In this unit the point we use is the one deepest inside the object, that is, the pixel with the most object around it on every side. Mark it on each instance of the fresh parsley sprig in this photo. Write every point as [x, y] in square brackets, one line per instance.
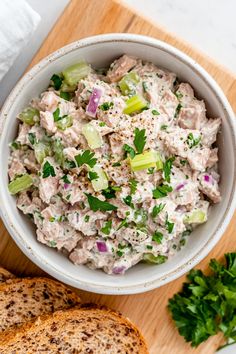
[139, 139]
[207, 303]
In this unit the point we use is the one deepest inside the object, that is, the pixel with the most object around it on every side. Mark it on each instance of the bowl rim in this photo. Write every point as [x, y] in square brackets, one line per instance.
[225, 218]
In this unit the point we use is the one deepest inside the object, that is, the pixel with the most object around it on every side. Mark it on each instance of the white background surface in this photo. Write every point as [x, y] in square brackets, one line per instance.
[209, 25]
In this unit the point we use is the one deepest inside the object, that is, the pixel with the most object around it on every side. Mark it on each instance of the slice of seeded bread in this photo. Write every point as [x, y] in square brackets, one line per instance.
[23, 299]
[74, 331]
[5, 275]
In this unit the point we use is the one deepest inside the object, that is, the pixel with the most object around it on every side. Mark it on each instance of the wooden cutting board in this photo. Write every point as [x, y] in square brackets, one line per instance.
[84, 18]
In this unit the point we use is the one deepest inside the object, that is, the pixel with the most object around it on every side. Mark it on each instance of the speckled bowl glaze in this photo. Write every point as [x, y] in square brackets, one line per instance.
[99, 51]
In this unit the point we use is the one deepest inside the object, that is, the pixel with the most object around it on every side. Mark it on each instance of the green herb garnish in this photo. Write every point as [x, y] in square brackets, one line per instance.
[191, 141]
[57, 81]
[106, 229]
[66, 179]
[65, 95]
[169, 225]
[177, 110]
[87, 158]
[207, 303]
[92, 175]
[164, 127]
[48, 170]
[32, 138]
[128, 201]
[155, 112]
[116, 164]
[167, 168]
[96, 204]
[123, 223]
[157, 209]
[161, 191]
[110, 192]
[129, 150]
[157, 237]
[139, 139]
[56, 115]
[106, 106]
[86, 218]
[133, 185]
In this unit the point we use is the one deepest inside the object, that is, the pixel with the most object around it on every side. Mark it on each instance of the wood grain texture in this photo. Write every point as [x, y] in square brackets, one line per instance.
[83, 18]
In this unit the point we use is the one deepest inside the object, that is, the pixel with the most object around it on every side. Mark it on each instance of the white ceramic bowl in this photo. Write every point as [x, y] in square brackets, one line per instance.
[100, 51]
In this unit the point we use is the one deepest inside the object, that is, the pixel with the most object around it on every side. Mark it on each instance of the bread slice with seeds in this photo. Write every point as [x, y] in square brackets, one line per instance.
[5, 275]
[83, 330]
[21, 300]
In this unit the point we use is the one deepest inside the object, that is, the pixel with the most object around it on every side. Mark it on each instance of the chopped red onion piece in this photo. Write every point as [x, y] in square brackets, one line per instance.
[208, 178]
[94, 101]
[119, 270]
[180, 186]
[66, 185]
[102, 247]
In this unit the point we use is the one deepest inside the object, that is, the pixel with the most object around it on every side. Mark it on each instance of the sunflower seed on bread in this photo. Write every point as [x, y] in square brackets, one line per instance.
[78, 330]
[5, 275]
[21, 300]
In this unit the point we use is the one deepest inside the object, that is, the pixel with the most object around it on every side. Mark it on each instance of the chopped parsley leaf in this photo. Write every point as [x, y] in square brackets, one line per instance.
[150, 170]
[87, 157]
[56, 115]
[157, 237]
[57, 81]
[110, 192]
[92, 175]
[155, 112]
[133, 185]
[164, 127]
[102, 124]
[119, 253]
[123, 223]
[167, 168]
[68, 196]
[161, 191]
[116, 164]
[191, 141]
[96, 204]
[157, 209]
[48, 170]
[69, 164]
[66, 179]
[179, 95]
[169, 225]
[32, 138]
[52, 244]
[106, 229]
[65, 95]
[183, 162]
[129, 150]
[86, 218]
[139, 139]
[177, 110]
[106, 106]
[128, 201]
[149, 247]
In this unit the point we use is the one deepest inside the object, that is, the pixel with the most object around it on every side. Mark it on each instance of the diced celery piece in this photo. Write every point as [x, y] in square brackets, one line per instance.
[150, 258]
[57, 149]
[64, 123]
[134, 103]
[92, 136]
[41, 150]
[159, 162]
[128, 83]
[100, 183]
[196, 217]
[67, 88]
[142, 161]
[20, 184]
[76, 72]
[29, 115]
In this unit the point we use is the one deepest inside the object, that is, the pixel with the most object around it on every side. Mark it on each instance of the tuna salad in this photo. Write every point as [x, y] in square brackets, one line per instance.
[115, 166]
